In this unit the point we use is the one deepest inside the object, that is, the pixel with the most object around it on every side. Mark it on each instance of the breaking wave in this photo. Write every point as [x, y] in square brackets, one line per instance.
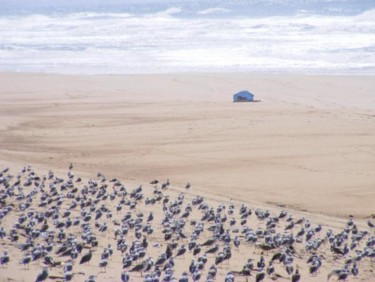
[91, 42]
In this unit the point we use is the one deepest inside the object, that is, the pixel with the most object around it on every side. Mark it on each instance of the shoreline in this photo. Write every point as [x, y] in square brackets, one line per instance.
[348, 73]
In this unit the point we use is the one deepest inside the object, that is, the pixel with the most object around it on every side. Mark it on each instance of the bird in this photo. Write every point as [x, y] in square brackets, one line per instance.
[246, 270]
[91, 278]
[48, 260]
[196, 275]
[68, 265]
[236, 242]
[43, 275]
[125, 276]
[197, 250]
[370, 224]
[86, 258]
[219, 258]
[209, 242]
[26, 259]
[265, 247]
[270, 269]
[103, 264]
[181, 251]
[229, 277]
[212, 271]
[169, 251]
[161, 259]
[261, 263]
[260, 276]
[355, 270]
[296, 276]
[184, 277]
[138, 268]
[4, 260]
[68, 276]
[155, 181]
[314, 268]
[213, 250]
[341, 274]
[127, 262]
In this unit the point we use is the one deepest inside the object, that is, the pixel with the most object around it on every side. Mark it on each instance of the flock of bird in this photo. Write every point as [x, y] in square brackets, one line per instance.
[101, 230]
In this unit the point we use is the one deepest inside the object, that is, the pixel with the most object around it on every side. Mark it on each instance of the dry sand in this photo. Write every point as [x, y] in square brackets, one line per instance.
[307, 147]
[309, 144]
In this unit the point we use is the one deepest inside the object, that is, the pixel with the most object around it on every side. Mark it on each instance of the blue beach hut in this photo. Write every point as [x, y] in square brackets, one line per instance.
[243, 96]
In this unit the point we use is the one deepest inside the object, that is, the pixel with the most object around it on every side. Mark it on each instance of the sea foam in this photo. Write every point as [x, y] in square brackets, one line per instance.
[122, 43]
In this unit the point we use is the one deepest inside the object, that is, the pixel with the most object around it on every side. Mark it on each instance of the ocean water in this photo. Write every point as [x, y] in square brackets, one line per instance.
[128, 37]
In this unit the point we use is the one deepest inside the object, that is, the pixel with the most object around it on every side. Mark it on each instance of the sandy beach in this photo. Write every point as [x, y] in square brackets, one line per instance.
[308, 144]
[306, 147]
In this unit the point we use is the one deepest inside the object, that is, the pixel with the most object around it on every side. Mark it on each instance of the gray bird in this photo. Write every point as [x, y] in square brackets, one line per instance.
[184, 277]
[213, 250]
[103, 264]
[229, 277]
[4, 260]
[260, 276]
[43, 275]
[68, 276]
[296, 276]
[125, 276]
[26, 259]
[91, 278]
[86, 258]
